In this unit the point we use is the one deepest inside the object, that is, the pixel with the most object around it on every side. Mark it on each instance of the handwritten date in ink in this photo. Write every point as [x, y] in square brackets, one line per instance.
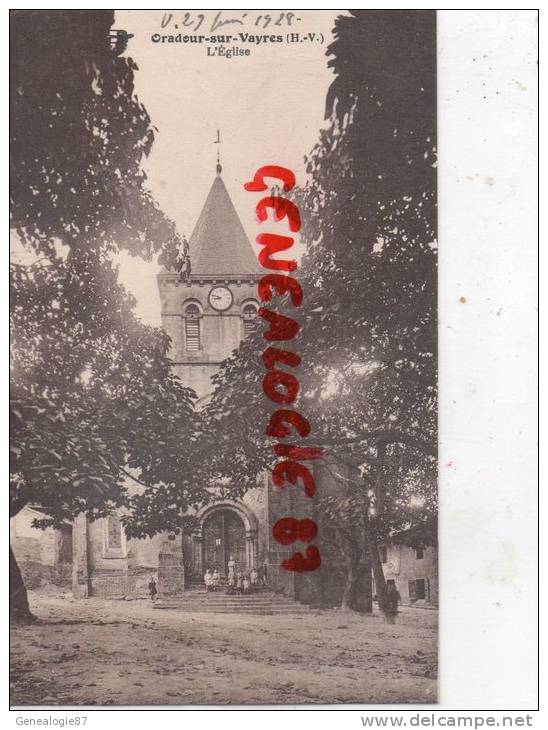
[197, 21]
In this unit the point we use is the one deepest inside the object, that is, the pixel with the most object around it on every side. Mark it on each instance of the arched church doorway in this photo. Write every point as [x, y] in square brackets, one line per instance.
[224, 535]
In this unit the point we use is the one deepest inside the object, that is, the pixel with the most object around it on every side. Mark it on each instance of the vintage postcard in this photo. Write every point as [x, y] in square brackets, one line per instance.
[224, 358]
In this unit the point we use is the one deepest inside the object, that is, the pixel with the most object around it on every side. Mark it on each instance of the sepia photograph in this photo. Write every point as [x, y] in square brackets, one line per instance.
[224, 358]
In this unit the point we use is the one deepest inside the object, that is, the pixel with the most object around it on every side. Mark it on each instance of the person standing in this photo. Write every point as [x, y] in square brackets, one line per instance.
[231, 567]
[240, 583]
[208, 580]
[391, 601]
[254, 577]
[152, 589]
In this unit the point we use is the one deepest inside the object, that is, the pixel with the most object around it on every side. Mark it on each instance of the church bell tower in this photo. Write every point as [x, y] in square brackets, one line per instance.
[208, 314]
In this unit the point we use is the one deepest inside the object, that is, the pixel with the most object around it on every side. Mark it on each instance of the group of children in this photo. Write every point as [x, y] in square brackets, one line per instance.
[212, 579]
[236, 581]
[242, 582]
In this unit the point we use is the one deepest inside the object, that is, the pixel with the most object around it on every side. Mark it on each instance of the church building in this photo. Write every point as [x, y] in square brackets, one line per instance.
[206, 313]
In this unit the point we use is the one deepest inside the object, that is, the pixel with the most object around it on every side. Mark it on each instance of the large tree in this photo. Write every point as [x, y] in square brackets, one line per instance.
[368, 340]
[370, 212]
[95, 406]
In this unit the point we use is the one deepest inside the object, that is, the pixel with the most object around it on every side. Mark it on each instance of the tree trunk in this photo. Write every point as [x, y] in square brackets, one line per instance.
[376, 564]
[348, 601]
[367, 606]
[366, 567]
[19, 602]
[357, 594]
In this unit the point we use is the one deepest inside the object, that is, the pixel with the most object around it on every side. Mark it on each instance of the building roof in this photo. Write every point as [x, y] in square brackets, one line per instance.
[421, 534]
[219, 245]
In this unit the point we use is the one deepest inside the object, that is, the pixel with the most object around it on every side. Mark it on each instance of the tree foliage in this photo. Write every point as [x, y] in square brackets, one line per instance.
[368, 339]
[78, 137]
[98, 418]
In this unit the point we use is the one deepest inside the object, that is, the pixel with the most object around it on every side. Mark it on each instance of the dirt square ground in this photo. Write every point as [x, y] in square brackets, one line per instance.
[98, 652]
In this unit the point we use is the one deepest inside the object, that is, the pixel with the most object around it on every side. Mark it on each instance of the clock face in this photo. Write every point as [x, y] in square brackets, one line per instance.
[220, 298]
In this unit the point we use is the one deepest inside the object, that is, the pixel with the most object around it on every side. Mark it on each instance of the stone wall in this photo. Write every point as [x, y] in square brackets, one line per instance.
[123, 572]
[279, 505]
[43, 556]
[220, 334]
[290, 501]
[131, 583]
[257, 501]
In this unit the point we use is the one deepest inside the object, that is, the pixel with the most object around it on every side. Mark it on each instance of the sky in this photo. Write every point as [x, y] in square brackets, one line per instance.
[269, 107]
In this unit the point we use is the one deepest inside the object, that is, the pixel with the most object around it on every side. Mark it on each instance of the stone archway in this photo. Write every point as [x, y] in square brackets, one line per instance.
[223, 536]
[226, 528]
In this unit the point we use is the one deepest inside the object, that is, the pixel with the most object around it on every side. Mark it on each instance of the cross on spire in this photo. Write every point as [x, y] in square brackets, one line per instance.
[218, 142]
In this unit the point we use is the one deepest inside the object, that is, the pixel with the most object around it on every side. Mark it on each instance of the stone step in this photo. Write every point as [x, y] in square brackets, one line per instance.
[254, 610]
[265, 604]
[194, 596]
[228, 601]
[224, 597]
[200, 588]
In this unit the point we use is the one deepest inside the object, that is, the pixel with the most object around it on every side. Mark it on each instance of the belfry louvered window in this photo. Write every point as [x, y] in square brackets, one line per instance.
[192, 328]
[249, 316]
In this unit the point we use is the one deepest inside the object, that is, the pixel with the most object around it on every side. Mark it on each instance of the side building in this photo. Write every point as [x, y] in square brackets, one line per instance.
[410, 562]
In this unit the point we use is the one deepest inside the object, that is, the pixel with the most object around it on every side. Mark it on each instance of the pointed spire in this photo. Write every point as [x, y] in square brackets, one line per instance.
[219, 245]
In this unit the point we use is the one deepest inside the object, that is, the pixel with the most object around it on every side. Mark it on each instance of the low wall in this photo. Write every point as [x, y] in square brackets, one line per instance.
[132, 583]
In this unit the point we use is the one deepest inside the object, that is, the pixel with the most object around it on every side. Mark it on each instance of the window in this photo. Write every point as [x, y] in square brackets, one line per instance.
[114, 539]
[383, 553]
[412, 590]
[114, 532]
[417, 590]
[249, 316]
[420, 553]
[192, 328]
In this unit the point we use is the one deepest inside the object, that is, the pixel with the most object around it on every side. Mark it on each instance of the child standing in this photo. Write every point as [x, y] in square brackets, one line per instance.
[207, 579]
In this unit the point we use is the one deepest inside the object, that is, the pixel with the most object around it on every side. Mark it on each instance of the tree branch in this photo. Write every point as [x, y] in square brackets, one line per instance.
[385, 437]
